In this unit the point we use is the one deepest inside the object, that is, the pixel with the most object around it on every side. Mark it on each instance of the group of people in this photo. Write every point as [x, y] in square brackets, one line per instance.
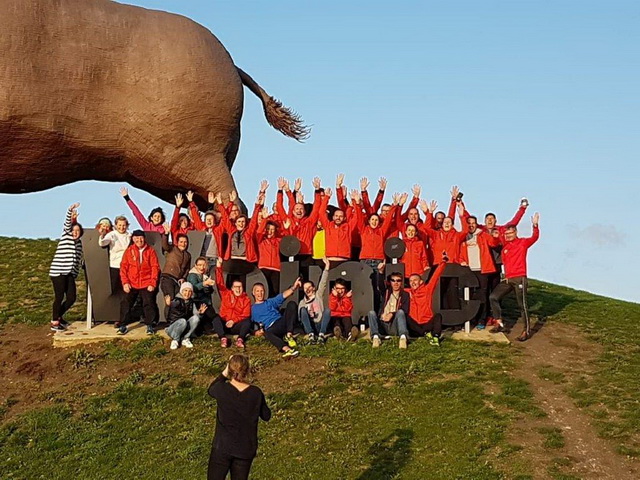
[328, 235]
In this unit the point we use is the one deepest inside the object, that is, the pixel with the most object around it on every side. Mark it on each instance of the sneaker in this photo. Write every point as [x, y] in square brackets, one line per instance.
[322, 339]
[524, 336]
[435, 341]
[311, 338]
[187, 343]
[174, 345]
[122, 330]
[290, 354]
[353, 334]
[57, 327]
[497, 329]
[403, 342]
[428, 336]
[337, 332]
[150, 330]
[224, 342]
[64, 323]
[376, 341]
[117, 325]
[239, 342]
[491, 322]
[480, 326]
[290, 341]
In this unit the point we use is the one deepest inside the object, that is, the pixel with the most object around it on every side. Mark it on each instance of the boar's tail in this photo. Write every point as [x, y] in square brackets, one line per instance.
[279, 117]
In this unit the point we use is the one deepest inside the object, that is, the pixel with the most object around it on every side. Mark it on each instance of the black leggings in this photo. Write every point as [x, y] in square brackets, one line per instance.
[240, 328]
[345, 324]
[282, 326]
[64, 290]
[220, 464]
[116, 283]
[433, 326]
[273, 280]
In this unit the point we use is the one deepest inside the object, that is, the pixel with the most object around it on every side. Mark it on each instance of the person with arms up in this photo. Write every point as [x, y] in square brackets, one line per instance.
[155, 220]
[240, 406]
[65, 267]
[514, 257]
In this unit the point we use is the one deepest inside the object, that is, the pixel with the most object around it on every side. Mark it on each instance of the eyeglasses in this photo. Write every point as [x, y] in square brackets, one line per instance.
[395, 280]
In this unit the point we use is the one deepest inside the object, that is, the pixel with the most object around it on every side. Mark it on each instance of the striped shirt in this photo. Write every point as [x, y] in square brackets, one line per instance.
[66, 260]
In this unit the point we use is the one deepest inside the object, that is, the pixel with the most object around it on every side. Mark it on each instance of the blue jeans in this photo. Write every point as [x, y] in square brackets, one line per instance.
[176, 329]
[397, 325]
[313, 327]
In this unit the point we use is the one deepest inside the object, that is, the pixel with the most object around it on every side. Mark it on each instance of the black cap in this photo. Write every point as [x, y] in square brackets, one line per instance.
[137, 233]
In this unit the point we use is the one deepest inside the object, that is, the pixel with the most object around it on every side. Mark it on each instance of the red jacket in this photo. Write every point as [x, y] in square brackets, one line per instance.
[140, 268]
[340, 306]
[175, 225]
[501, 228]
[366, 203]
[373, 239]
[451, 214]
[420, 308]
[514, 254]
[338, 237]
[232, 308]
[248, 234]
[268, 248]
[441, 241]
[485, 242]
[305, 228]
[216, 230]
[415, 257]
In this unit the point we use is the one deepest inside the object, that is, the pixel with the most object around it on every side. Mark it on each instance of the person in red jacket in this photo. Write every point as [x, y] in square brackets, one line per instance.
[421, 321]
[339, 231]
[268, 238]
[241, 244]
[180, 222]
[213, 230]
[235, 311]
[476, 254]
[514, 256]
[415, 256]
[341, 307]
[446, 240]
[373, 235]
[139, 272]
[370, 209]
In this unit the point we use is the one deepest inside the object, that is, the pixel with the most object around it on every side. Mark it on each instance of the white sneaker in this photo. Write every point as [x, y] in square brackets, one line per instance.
[174, 345]
[403, 342]
[187, 343]
[376, 341]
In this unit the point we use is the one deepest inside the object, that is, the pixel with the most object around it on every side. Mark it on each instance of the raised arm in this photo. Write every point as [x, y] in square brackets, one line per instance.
[142, 221]
[536, 231]
[195, 215]
[68, 219]
[322, 214]
[219, 278]
[518, 216]
[382, 183]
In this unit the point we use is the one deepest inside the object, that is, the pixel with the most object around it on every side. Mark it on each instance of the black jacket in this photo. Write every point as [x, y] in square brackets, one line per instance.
[385, 291]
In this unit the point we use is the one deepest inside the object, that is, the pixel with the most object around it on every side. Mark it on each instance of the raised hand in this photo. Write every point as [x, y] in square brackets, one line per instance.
[74, 206]
[211, 197]
[286, 186]
[354, 195]
[297, 185]
[339, 180]
[219, 198]
[454, 192]
[124, 191]
[202, 309]
[423, 206]
[281, 182]
[261, 198]
[287, 223]
[535, 219]
[328, 192]
[233, 196]
[316, 183]
[433, 206]
[381, 266]
[167, 228]
[189, 196]
[395, 198]
[179, 200]
[403, 199]
[299, 197]
[264, 185]
[382, 183]
[364, 184]
[416, 190]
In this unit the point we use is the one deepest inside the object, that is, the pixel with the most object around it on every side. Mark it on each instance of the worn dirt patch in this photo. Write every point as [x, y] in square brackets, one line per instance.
[565, 351]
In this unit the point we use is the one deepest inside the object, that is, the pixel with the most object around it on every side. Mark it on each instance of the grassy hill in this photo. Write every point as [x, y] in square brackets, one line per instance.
[343, 411]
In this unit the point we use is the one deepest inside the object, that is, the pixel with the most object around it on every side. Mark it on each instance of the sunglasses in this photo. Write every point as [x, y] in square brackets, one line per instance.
[395, 280]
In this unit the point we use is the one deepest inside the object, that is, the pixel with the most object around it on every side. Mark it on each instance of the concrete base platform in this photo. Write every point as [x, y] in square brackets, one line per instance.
[480, 336]
[77, 334]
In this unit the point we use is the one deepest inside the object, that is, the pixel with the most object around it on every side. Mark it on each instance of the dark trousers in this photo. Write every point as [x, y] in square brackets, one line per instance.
[148, 306]
[205, 326]
[273, 281]
[240, 328]
[493, 281]
[169, 286]
[433, 326]
[517, 285]
[64, 291]
[481, 293]
[345, 324]
[220, 464]
[451, 298]
[282, 326]
[116, 283]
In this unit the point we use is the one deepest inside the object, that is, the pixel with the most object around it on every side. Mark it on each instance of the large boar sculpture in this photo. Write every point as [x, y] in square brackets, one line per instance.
[93, 89]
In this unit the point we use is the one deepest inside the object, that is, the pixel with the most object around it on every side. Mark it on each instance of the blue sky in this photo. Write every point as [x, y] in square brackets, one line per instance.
[505, 99]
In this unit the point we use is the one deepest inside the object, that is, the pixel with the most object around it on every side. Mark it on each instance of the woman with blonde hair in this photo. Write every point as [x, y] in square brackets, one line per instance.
[240, 405]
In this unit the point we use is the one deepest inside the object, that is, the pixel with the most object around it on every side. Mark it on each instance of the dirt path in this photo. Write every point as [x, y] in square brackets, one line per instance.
[563, 351]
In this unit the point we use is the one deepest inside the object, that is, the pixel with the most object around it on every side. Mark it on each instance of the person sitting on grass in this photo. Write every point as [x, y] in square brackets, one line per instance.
[183, 317]
[421, 321]
[65, 267]
[235, 311]
[272, 324]
[239, 406]
[341, 307]
[394, 308]
[314, 317]
[202, 291]
[139, 271]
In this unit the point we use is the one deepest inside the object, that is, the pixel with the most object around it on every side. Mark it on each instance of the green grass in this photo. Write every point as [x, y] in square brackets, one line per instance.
[367, 414]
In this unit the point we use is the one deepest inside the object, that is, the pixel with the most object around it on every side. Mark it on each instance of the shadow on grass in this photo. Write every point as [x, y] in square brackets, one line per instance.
[389, 455]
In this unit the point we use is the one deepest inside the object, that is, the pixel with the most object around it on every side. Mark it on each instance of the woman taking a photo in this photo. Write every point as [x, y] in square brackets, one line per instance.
[240, 405]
